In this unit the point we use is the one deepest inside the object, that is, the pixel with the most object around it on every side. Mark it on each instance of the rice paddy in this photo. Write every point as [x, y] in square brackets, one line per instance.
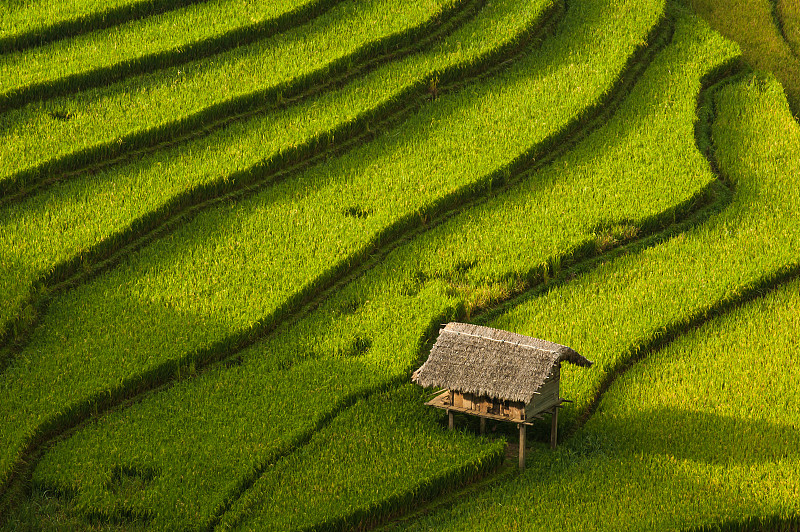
[224, 250]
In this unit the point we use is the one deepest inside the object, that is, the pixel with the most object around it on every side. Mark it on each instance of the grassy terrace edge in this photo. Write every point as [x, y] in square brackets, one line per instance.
[229, 518]
[790, 24]
[203, 48]
[703, 317]
[70, 27]
[174, 212]
[455, 478]
[341, 273]
[676, 220]
[761, 32]
[667, 217]
[214, 117]
[771, 522]
[759, 287]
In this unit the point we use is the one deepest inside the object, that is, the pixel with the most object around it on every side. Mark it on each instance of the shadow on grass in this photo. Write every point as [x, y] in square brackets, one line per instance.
[663, 468]
[686, 435]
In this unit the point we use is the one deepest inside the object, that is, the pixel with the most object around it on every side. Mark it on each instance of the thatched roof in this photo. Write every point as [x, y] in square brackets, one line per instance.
[499, 364]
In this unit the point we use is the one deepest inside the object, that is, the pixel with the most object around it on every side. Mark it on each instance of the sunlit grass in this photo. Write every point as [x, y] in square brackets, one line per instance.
[152, 106]
[133, 41]
[233, 266]
[648, 293]
[372, 461]
[47, 230]
[19, 18]
[315, 425]
[351, 344]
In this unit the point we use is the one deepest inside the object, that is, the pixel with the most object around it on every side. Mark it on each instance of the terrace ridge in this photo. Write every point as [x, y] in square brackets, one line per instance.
[178, 210]
[96, 20]
[207, 47]
[202, 123]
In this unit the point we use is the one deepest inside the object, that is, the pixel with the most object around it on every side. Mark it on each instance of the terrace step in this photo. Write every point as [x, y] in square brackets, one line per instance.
[58, 139]
[25, 27]
[167, 38]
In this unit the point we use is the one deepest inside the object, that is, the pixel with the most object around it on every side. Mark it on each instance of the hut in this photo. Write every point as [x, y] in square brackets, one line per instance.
[496, 374]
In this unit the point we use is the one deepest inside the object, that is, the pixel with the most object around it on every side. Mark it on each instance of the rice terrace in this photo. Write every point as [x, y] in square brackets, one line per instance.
[232, 231]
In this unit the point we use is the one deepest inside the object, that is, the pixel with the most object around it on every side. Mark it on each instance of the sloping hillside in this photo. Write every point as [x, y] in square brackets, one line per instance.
[230, 232]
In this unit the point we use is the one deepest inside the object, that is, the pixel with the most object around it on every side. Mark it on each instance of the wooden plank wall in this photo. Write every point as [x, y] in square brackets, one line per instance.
[515, 411]
[547, 397]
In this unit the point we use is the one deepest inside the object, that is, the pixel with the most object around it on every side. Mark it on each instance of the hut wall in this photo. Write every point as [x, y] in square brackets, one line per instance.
[463, 400]
[469, 401]
[547, 397]
[482, 404]
[515, 411]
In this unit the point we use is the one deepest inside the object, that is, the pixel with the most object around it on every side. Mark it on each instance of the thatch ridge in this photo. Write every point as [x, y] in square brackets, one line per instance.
[491, 362]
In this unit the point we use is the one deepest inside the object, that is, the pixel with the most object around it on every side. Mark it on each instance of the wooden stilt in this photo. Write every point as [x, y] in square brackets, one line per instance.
[483, 425]
[522, 445]
[554, 429]
[450, 421]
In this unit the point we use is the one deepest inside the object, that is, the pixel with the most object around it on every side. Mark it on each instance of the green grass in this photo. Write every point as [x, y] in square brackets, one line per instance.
[789, 17]
[24, 24]
[351, 344]
[50, 235]
[375, 459]
[720, 418]
[57, 234]
[163, 39]
[357, 460]
[751, 24]
[233, 270]
[644, 296]
[22, 17]
[148, 312]
[248, 367]
[62, 134]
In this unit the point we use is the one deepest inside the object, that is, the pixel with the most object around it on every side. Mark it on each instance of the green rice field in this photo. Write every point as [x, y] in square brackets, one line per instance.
[230, 231]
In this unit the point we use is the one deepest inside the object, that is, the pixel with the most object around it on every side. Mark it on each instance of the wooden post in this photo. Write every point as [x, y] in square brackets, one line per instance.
[554, 428]
[483, 425]
[450, 421]
[522, 445]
